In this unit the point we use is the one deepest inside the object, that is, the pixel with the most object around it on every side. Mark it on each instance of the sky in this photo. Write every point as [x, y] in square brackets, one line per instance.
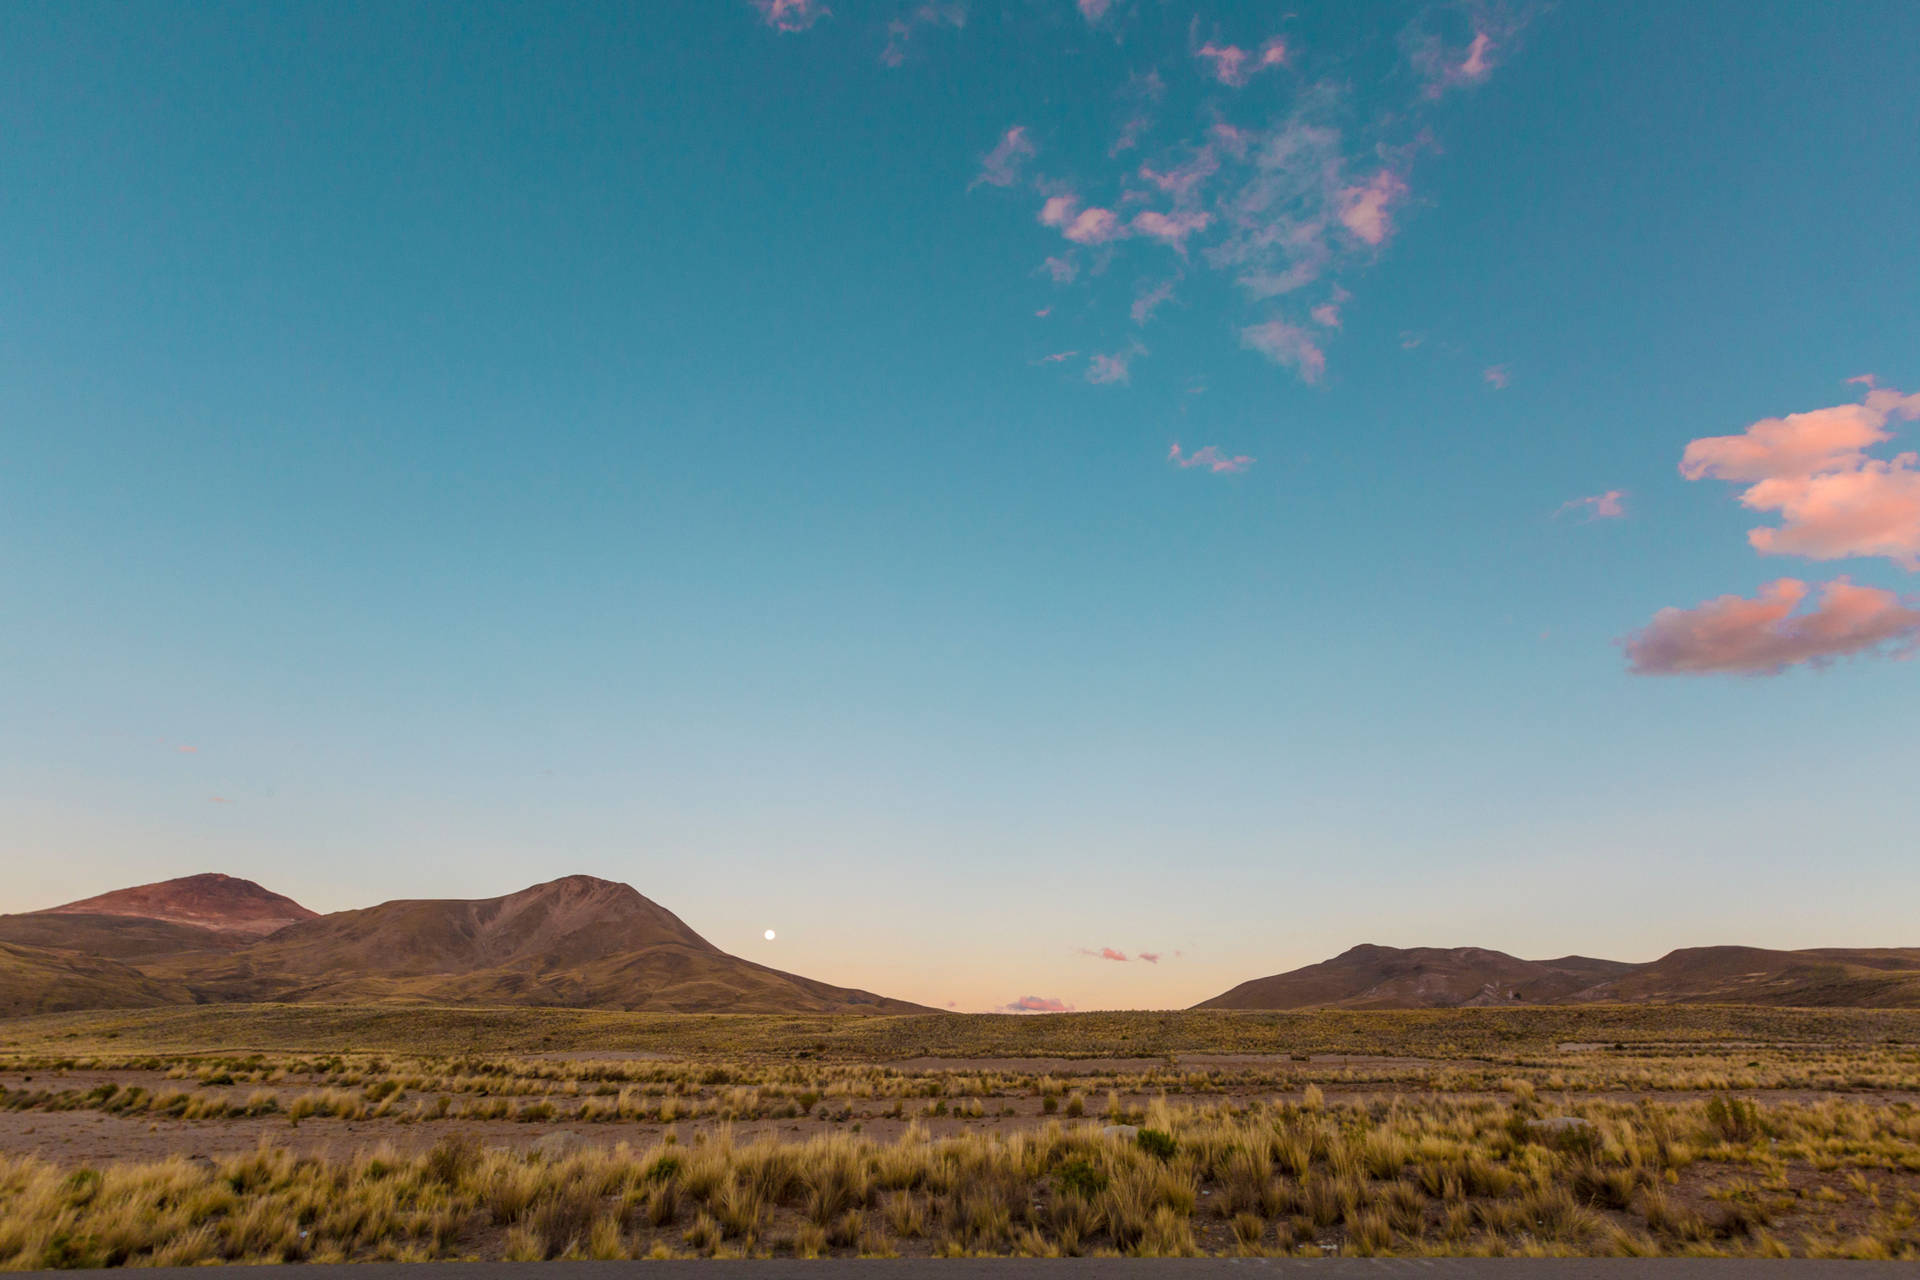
[1059, 503]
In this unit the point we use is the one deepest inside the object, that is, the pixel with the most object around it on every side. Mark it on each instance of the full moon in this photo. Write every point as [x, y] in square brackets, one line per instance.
[769, 935]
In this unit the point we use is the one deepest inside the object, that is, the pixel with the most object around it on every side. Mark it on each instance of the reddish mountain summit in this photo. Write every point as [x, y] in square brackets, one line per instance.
[222, 904]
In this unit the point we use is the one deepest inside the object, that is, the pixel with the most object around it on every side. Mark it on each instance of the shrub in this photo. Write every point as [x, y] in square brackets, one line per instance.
[1156, 1143]
[1081, 1178]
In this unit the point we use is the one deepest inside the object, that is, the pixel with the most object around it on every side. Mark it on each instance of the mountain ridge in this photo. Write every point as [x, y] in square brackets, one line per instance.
[1370, 976]
[577, 941]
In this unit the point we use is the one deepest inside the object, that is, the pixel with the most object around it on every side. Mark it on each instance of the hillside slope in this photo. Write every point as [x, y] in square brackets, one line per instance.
[1375, 977]
[1372, 977]
[33, 980]
[577, 941]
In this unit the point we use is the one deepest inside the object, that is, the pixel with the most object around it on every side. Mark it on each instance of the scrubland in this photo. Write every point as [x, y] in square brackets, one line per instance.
[332, 1134]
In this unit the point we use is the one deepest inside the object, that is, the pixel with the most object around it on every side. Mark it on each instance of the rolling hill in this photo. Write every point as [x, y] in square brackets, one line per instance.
[34, 980]
[576, 942]
[217, 903]
[1375, 977]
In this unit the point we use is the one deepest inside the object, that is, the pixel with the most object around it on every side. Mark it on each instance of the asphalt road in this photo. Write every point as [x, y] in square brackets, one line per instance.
[1090, 1268]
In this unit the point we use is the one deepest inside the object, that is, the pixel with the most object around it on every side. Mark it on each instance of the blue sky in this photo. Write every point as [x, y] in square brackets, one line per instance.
[504, 442]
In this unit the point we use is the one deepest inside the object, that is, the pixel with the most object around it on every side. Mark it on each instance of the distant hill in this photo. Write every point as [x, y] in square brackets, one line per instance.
[1374, 977]
[575, 942]
[221, 904]
[33, 980]
[127, 938]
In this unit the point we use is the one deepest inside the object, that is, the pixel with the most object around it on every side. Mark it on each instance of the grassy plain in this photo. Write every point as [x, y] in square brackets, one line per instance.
[251, 1133]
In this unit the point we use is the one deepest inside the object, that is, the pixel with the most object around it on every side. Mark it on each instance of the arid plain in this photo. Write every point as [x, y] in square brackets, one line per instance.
[241, 1103]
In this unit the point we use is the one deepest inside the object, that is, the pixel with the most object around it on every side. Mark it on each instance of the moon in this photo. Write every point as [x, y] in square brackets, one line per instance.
[769, 935]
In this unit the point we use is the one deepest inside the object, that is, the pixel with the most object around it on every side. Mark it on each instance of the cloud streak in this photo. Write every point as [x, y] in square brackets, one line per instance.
[1287, 344]
[1610, 505]
[1037, 1004]
[1764, 636]
[791, 15]
[1001, 166]
[1211, 459]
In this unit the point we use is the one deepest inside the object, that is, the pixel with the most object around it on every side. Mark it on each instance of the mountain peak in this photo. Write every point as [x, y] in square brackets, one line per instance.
[210, 900]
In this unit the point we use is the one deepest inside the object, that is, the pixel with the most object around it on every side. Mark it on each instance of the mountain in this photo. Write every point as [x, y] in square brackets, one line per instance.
[35, 980]
[220, 904]
[1374, 977]
[576, 942]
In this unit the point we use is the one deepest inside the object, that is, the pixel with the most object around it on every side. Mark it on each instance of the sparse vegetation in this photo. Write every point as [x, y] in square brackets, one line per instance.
[1740, 1132]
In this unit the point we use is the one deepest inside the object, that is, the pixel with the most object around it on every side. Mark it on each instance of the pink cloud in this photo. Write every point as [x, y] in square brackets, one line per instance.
[1043, 313]
[1234, 66]
[1094, 10]
[1057, 357]
[1498, 377]
[1834, 500]
[1183, 181]
[1061, 269]
[1212, 460]
[1151, 957]
[1037, 1004]
[1445, 68]
[1478, 64]
[1001, 166]
[930, 13]
[1104, 953]
[1610, 505]
[1172, 228]
[1143, 93]
[1113, 368]
[791, 15]
[1231, 138]
[185, 750]
[1764, 635]
[1327, 314]
[1287, 344]
[218, 800]
[1364, 209]
[1058, 211]
[1092, 225]
[1147, 303]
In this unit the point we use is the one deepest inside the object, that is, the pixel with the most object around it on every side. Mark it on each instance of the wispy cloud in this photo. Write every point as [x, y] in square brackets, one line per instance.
[1063, 270]
[1000, 167]
[1499, 377]
[1094, 10]
[1104, 953]
[1147, 303]
[1834, 500]
[1365, 208]
[1234, 66]
[929, 13]
[1141, 96]
[1463, 63]
[791, 15]
[1037, 1004]
[1057, 357]
[1287, 344]
[1114, 367]
[1765, 636]
[1151, 957]
[1327, 314]
[1092, 225]
[1210, 458]
[1610, 505]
